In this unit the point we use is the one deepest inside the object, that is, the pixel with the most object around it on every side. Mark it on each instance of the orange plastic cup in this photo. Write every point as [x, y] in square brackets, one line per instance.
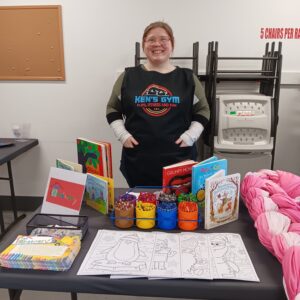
[187, 220]
[124, 218]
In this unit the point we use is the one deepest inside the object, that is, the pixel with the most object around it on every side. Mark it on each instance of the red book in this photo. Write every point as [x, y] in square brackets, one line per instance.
[108, 158]
[177, 178]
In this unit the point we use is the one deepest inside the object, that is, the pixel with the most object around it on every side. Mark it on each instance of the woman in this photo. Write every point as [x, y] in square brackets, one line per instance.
[156, 110]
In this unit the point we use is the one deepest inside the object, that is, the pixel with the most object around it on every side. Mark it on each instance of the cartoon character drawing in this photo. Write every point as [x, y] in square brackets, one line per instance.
[161, 254]
[221, 252]
[124, 255]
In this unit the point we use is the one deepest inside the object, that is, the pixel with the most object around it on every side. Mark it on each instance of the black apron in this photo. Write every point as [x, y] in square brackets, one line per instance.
[157, 109]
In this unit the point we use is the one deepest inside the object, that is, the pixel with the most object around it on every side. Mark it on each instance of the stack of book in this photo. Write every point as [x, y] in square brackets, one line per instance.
[41, 253]
[94, 160]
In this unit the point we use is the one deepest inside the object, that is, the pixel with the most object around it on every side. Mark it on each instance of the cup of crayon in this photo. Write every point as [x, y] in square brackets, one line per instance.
[145, 215]
[124, 211]
[166, 215]
[187, 215]
[128, 197]
[164, 197]
[147, 197]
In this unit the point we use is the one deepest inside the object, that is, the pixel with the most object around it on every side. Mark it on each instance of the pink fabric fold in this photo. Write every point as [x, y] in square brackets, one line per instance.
[282, 242]
[287, 206]
[261, 204]
[269, 174]
[290, 183]
[269, 224]
[250, 180]
[273, 188]
[291, 272]
[295, 227]
[252, 193]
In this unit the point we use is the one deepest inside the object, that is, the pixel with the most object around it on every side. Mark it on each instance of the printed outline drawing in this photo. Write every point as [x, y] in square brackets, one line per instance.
[161, 254]
[221, 252]
[121, 257]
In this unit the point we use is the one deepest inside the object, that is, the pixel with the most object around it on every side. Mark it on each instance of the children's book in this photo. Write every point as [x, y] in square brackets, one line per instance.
[221, 200]
[111, 192]
[177, 178]
[96, 193]
[92, 156]
[203, 170]
[108, 158]
[68, 165]
[64, 192]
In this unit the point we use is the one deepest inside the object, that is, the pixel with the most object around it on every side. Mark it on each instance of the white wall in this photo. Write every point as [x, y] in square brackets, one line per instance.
[99, 39]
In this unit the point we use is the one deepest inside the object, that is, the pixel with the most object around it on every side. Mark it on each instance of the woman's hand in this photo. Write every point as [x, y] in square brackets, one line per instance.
[131, 142]
[181, 143]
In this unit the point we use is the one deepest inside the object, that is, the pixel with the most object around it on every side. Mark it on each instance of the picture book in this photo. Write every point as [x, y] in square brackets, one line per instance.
[68, 165]
[41, 253]
[64, 192]
[111, 192]
[177, 178]
[203, 170]
[108, 158]
[221, 200]
[92, 156]
[96, 193]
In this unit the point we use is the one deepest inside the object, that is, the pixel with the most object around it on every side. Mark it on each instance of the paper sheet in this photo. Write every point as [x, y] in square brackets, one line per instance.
[127, 254]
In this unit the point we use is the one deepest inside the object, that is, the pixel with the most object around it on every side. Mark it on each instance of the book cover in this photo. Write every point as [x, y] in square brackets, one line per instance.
[178, 177]
[108, 158]
[221, 200]
[203, 170]
[64, 192]
[92, 157]
[111, 192]
[68, 165]
[96, 193]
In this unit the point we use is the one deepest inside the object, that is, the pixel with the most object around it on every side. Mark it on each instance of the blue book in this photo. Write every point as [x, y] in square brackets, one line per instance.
[204, 170]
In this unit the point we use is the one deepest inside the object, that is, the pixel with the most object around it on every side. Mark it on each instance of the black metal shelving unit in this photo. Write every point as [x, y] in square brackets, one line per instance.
[194, 57]
[268, 77]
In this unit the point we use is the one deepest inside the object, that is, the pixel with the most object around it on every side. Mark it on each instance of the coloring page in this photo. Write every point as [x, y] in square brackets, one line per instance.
[119, 252]
[195, 256]
[166, 256]
[230, 259]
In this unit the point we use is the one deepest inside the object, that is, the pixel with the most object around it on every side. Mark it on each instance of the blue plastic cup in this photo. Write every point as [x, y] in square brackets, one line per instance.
[166, 218]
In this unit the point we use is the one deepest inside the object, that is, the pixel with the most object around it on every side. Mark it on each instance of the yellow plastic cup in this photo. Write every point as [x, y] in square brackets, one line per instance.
[143, 212]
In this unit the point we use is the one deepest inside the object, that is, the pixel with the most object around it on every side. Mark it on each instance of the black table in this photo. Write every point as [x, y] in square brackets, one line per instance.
[7, 154]
[267, 267]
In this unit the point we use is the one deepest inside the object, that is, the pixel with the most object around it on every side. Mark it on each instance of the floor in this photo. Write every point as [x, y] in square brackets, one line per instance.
[35, 295]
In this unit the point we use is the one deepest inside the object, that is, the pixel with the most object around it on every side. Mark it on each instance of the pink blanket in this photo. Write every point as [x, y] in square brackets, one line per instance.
[273, 202]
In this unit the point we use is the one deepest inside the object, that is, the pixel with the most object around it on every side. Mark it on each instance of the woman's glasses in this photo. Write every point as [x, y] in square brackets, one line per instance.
[161, 40]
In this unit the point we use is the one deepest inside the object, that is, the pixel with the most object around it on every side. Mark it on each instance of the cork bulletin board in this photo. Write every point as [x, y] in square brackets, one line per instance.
[31, 43]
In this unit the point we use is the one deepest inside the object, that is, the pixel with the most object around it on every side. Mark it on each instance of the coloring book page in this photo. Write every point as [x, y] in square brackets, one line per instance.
[230, 257]
[195, 256]
[166, 256]
[127, 254]
[119, 252]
